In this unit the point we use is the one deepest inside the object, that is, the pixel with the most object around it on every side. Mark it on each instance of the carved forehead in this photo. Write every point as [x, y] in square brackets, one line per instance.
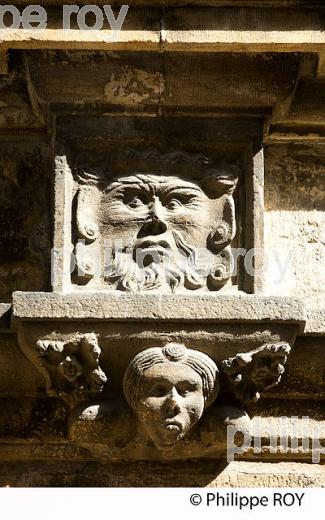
[174, 170]
[172, 372]
[152, 182]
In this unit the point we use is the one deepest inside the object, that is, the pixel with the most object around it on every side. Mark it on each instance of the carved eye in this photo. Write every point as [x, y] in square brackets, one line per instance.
[158, 391]
[135, 203]
[185, 389]
[173, 204]
[184, 393]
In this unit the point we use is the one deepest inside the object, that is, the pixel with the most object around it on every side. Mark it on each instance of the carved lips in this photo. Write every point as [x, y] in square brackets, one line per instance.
[152, 249]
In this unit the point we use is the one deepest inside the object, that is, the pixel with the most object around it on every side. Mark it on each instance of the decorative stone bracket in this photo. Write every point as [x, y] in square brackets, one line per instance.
[184, 380]
[71, 368]
[168, 390]
[253, 372]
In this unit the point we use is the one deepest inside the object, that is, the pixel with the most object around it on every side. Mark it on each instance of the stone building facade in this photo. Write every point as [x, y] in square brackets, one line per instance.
[162, 272]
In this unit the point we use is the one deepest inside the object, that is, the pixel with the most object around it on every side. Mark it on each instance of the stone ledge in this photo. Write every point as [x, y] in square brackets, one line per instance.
[179, 3]
[31, 450]
[208, 29]
[203, 473]
[173, 307]
[97, 429]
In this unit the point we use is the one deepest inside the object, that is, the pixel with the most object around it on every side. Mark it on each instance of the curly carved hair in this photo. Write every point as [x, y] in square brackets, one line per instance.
[216, 178]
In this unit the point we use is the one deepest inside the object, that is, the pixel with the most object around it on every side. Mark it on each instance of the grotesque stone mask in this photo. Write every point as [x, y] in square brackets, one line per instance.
[169, 389]
[168, 231]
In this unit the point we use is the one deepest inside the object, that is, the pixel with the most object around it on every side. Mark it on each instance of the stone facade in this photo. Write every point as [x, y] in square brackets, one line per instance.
[162, 272]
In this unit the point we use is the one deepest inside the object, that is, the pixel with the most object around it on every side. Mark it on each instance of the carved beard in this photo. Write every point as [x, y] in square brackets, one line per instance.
[176, 269]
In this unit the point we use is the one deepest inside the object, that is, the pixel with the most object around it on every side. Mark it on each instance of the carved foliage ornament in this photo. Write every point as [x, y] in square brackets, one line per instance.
[72, 366]
[165, 225]
[253, 372]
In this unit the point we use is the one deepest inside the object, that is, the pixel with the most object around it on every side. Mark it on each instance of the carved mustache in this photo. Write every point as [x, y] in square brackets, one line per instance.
[151, 243]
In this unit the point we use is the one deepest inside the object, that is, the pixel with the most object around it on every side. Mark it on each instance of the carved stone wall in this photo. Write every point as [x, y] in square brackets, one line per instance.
[163, 240]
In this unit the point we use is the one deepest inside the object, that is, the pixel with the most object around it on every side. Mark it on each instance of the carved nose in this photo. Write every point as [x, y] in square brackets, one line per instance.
[155, 223]
[172, 405]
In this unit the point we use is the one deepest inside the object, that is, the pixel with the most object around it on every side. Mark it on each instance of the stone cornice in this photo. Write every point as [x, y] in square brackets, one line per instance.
[112, 306]
[215, 29]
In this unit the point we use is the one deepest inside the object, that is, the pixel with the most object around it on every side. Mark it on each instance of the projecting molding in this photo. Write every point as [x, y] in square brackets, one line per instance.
[183, 29]
[115, 306]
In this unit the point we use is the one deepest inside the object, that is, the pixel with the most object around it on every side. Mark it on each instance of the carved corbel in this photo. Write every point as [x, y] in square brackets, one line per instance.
[174, 411]
[171, 393]
[251, 373]
[72, 367]
[169, 389]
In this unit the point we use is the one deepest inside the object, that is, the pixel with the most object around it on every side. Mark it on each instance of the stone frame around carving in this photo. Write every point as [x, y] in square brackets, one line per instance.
[249, 218]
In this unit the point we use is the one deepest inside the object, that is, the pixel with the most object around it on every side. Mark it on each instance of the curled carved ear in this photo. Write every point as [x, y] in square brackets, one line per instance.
[250, 373]
[221, 271]
[224, 229]
[221, 180]
[87, 202]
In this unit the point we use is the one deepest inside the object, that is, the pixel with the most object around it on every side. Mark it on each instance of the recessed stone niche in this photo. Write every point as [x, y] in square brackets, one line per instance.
[157, 214]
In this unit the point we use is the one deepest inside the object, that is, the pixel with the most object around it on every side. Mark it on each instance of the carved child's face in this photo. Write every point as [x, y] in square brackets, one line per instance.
[170, 402]
[147, 210]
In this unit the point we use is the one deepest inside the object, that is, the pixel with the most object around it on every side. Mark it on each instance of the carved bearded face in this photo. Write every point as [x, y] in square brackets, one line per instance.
[167, 226]
[162, 224]
[148, 209]
[170, 402]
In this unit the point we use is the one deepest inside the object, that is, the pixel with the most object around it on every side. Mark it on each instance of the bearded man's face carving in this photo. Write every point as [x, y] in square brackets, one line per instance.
[168, 231]
[150, 208]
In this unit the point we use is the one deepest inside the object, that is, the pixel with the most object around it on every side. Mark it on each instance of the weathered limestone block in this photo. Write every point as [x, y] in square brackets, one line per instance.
[136, 83]
[295, 226]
